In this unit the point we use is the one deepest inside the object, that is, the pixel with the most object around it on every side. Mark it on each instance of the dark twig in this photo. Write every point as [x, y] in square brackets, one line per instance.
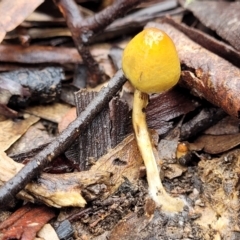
[84, 29]
[61, 143]
[101, 20]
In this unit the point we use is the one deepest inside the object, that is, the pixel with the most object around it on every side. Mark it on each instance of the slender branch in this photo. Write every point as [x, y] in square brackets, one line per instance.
[61, 143]
[102, 19]
[83, 30]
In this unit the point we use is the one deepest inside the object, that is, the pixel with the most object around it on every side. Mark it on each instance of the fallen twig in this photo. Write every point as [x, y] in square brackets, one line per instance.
[61, 143]
[83, 30]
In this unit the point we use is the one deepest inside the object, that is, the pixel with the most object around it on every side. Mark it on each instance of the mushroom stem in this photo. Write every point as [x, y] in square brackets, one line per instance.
[156, 189]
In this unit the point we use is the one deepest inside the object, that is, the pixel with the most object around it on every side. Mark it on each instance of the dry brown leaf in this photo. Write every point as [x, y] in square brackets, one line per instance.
[100, 53]
[214, 144]
[37, 135]
[14, 12]
[11, 131]
[52, 112]
[67, 119]
[8, 167]
[227, 125]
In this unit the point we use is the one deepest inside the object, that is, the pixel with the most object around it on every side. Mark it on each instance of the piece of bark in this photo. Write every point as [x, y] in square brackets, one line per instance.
[105, 132]
[70, 189]
[227, 14]
[166, 106]
[95, 140]
[204, 73]
[212, 44]
[25, 222]
[43, 84]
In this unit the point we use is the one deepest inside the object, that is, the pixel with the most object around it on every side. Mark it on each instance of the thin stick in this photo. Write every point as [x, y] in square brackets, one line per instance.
[61, 143]
[83, 30]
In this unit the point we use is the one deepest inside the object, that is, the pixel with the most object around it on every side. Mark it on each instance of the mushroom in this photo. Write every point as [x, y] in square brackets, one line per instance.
[150, 62]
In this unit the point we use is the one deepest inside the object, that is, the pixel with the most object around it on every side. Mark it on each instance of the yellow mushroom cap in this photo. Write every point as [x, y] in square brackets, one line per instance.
[150, 61]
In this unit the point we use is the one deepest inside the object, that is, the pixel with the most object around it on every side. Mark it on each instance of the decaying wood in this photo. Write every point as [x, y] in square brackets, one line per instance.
[206, 74]
[41, 85]
[107, 129]
[70, 189]
[60, 144]
[75, 189]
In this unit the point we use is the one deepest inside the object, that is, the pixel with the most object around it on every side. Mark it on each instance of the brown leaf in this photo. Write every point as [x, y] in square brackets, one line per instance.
[37, 135]
[13, 13]
[52, 112]
[227, 125]
[67, 119]
[8, 167]
[216, 144]
[25, 222]
[11, 131]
